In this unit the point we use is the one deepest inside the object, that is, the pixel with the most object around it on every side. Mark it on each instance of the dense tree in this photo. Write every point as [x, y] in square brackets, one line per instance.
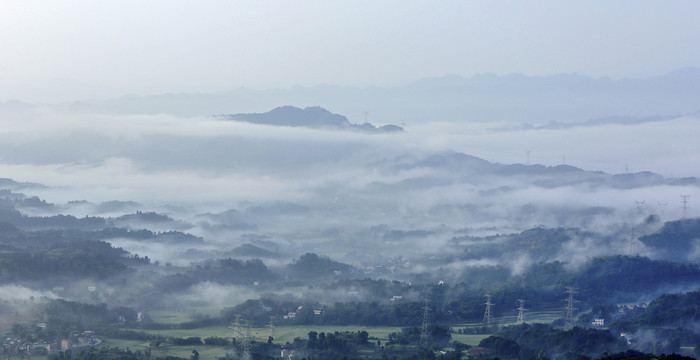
[543, 339]
[501, 347]
[311, 265]
[668, 309]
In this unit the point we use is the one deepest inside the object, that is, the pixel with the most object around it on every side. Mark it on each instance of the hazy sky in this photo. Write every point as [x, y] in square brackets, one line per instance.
[66, 50]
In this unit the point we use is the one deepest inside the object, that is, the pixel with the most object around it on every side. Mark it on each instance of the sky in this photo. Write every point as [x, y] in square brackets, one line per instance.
[57, 51]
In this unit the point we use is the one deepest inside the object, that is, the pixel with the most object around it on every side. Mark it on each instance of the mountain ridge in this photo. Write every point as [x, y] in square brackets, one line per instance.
[310, 117]
[563, 97]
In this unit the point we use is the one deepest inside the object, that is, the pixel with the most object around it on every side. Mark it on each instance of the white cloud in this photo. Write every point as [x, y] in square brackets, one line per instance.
[17, 292]
[204, 164]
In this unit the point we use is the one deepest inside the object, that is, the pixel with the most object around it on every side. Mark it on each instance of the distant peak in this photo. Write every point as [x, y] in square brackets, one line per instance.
[310, 117]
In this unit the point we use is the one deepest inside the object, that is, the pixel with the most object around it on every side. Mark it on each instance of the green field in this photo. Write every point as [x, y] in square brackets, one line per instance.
[205, 352]
[472, 340]
[177, 317]
[282, 334]
[203, 332]
[531, 318]
[534, 317]
[286, 333]
[170, 317]
[543, 316]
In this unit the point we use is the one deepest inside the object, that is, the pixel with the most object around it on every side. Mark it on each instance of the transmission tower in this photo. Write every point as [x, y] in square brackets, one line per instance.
[570, 309]
[685, 205]
[270, 327]
[661, 206]
[237, 328]
[521, 313]
[426, 336]
[246, 344]
[487, 312]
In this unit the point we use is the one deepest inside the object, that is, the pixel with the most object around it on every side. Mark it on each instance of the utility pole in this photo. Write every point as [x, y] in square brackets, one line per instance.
[521, 313]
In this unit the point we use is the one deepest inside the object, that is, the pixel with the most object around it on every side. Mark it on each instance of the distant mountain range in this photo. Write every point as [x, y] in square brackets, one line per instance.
[311, 117]
[565, 98]
[470, 168]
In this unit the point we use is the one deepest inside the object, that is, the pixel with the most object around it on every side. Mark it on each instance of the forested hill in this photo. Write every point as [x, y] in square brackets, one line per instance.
[675, 240]
[616, 278]
[311, 117]
[668, 310]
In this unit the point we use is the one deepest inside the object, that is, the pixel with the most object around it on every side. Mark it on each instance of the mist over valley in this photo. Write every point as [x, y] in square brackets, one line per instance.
[298, 206]
[349, 180]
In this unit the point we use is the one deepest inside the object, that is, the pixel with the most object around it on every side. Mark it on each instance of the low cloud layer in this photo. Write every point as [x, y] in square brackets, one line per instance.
[16, 292]
[320, 189]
